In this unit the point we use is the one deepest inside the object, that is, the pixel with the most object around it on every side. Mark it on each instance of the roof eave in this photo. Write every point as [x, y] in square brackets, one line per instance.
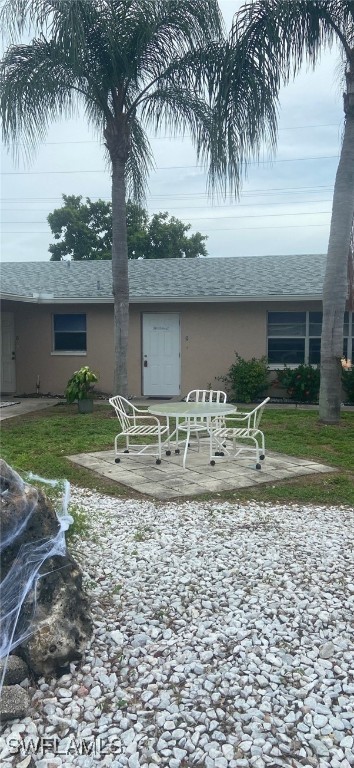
[162, 299]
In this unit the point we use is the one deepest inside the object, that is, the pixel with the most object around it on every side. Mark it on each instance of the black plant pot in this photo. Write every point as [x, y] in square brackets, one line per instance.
[85, 406]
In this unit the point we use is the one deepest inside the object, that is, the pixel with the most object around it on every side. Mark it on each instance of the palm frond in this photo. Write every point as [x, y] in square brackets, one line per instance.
[294, 32]
[36, 87]
[140, 163]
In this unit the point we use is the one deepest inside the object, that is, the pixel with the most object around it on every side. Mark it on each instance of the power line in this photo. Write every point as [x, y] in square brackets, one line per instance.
[207, 218]
[169, 167]
[219, 229]
[177, 208]
[246, 193]
[183, 136]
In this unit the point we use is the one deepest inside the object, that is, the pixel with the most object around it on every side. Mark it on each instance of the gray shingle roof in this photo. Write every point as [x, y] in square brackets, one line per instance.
[169, 279]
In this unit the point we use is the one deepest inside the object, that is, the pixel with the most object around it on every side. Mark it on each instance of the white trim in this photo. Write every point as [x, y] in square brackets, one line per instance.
[167, 299]
[291, 366]
[62, 354]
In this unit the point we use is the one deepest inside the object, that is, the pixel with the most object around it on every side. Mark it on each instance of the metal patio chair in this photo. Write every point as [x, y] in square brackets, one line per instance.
[241, 429]
[199, 424]
[136, 422]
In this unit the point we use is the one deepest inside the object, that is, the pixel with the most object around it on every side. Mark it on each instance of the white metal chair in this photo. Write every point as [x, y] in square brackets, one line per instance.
[206, 396]
[136, 422]
[199, 424]
[242, 428]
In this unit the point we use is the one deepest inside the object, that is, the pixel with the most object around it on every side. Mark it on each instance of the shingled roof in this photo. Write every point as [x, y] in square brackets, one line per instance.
[158, 280]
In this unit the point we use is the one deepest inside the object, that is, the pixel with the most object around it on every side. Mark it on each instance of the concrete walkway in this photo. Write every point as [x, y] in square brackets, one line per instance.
[169, 480]
[15, 406]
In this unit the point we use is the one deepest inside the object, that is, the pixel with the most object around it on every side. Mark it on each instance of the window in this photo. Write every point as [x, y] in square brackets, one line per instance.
[69, 333]
[315, 330]
[286, 337]
[295, 337]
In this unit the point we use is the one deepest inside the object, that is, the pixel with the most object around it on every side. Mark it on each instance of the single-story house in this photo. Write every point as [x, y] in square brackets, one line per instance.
[188, 317]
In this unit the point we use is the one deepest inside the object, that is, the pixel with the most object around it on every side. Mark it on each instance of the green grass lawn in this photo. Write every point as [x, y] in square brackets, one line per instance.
[40, 441]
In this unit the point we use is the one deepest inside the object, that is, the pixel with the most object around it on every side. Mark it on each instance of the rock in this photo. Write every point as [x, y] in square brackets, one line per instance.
[117, 637]
[55, 606]
[28, 762]
[16, 670]
[319, 747]
[14, 702]
[326, 650]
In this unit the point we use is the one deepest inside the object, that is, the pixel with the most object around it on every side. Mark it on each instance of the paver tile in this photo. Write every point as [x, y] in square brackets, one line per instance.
[169, 480]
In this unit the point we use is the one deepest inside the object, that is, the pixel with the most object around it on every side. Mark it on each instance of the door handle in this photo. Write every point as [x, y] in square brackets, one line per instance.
[145, 363]
[13, 356]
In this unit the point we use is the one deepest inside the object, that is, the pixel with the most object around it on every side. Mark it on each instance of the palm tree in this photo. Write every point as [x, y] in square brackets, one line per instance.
[288, 32]
[135, 65]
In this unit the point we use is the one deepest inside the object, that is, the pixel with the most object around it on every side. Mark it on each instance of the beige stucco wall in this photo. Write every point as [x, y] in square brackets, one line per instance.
[210, 336]
[34, 347]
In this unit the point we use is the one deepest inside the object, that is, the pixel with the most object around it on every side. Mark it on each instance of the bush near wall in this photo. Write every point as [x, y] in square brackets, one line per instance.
[348, 384]
[247, 379]
[302, 383]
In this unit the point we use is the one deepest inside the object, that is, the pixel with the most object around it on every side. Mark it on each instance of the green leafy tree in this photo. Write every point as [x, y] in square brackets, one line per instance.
[287, 33]
[134, 66]
[85, 233]
[167, 238]
[85, 229]
[137, 224]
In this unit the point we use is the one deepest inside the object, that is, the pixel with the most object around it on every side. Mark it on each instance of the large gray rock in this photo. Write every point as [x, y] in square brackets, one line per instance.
[54, 622]
[15, 670]
[14, 702]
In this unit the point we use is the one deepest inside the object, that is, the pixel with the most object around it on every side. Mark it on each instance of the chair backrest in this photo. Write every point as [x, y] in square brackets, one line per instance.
[257, 413]
[206, 396]
[125, 410]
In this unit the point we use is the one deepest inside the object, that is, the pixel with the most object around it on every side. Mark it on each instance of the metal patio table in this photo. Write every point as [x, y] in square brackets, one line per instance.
[188, 412]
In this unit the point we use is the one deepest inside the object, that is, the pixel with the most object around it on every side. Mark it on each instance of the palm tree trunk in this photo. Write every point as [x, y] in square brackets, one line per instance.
[120, 278]
[336, 281]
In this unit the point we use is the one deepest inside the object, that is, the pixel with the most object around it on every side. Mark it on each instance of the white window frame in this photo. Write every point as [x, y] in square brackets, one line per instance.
[69, 352]
[307, 337]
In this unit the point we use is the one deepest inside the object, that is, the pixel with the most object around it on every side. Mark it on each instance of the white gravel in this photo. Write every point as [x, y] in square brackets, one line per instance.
[223, 638]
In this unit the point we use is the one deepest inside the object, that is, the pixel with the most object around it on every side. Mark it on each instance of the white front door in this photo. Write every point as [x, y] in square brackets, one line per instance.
[8, 364]
[161, 354]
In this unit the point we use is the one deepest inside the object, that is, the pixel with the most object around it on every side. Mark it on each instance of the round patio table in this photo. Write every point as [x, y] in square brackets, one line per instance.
[188, 412]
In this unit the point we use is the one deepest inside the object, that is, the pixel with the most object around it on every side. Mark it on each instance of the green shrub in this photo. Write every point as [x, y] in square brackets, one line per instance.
[302, 383]
[247, 379]
[80, 385]
[348, 384]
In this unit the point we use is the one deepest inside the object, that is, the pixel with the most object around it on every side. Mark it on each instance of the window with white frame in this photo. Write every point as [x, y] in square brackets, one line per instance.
[69, 333]
[295, 337]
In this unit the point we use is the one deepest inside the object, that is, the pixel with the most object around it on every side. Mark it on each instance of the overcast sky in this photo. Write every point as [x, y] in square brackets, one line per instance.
[284, 207]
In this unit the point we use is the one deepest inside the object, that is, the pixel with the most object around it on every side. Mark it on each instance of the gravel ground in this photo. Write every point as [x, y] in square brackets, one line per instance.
[223, 638]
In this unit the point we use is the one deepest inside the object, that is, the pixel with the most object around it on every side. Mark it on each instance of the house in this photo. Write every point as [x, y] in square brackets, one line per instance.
[187, 319]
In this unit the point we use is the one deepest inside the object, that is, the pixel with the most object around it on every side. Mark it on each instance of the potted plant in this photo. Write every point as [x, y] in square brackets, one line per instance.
[80, 388]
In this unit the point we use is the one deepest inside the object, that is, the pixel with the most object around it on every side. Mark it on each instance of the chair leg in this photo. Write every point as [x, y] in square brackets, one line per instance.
[177, 436]
[186, 447]
[258, 464]
[159, 448]
[262, 456]
[198, 441]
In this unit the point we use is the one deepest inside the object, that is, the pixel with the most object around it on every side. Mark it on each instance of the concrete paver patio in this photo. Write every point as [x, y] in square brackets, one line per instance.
[169, 480]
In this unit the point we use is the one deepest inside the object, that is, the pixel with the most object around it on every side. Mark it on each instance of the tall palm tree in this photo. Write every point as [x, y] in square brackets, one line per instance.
[134, 65]
[289, 32]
